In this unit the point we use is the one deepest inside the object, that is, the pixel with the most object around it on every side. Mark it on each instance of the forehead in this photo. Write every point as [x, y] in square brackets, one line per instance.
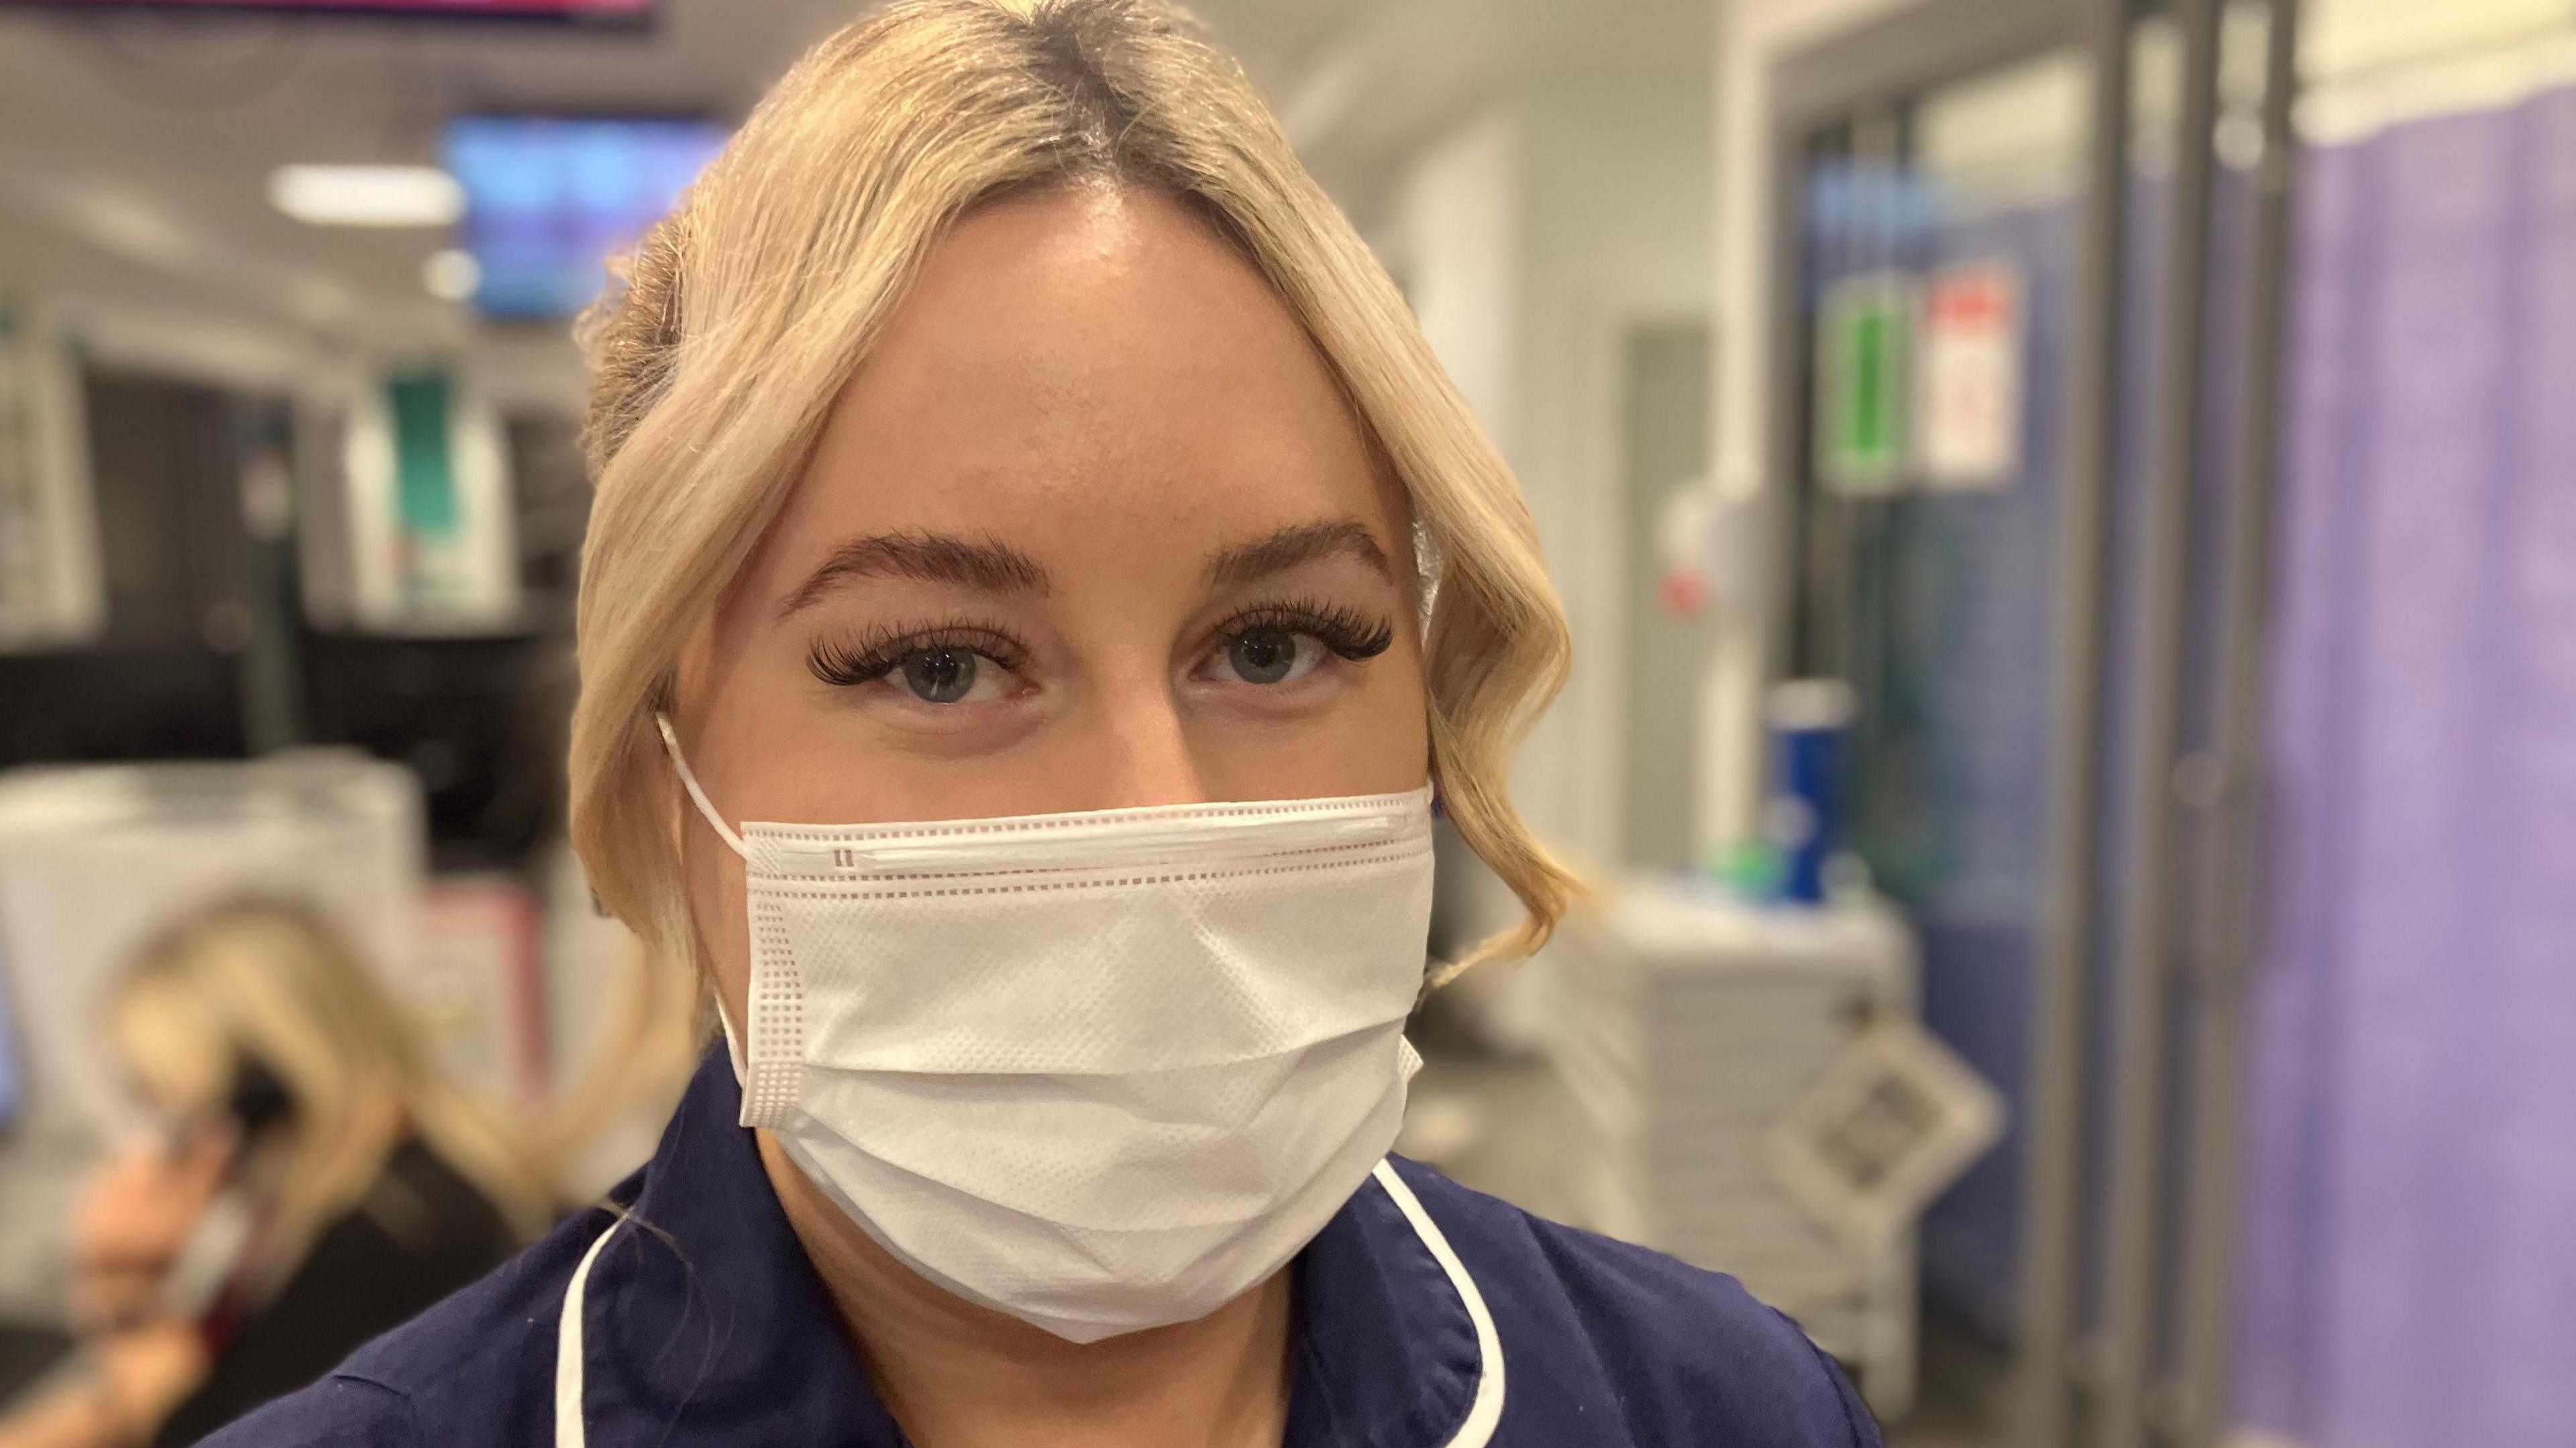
[1094, 358]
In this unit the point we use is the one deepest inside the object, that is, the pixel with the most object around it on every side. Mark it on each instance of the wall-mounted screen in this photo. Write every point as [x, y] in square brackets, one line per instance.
[548, 199]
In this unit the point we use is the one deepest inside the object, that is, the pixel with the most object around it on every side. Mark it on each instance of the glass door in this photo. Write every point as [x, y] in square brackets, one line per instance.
[1942, 237]
[1942, 242]
[2008, 356]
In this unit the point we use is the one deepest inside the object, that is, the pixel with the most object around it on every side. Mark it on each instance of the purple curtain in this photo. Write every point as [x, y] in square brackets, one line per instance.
[2410, 1253]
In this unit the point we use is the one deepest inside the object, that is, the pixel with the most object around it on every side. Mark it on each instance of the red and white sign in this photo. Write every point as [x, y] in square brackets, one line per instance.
[1970, 369]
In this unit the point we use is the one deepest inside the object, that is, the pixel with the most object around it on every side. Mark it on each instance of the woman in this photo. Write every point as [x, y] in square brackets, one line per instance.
[1007, 436]
[314, 1183]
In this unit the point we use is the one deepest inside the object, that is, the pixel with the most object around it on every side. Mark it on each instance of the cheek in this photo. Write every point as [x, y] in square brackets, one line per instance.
[1381, 742]
[1375, 741]
[1400, 723]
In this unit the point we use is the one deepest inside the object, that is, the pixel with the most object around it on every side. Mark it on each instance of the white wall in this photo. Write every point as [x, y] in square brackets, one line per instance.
[1619, 217]
[1455, 245]
[1529, 239]
[1753, 36]
[51, 592]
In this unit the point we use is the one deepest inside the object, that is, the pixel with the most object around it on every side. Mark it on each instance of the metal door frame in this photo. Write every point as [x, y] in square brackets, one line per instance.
[1880, 67]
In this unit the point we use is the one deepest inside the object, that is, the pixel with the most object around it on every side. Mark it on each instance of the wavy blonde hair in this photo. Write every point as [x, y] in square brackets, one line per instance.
[741, 315]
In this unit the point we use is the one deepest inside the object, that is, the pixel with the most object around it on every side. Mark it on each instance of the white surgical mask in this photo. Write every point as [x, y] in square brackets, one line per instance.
[1101, 1071]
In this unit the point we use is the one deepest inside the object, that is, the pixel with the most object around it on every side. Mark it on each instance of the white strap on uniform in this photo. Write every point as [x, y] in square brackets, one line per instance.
[569, 1432]
[1484, 1415]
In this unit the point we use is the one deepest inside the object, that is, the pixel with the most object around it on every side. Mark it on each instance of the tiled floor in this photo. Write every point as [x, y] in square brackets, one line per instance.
[1962, 1403]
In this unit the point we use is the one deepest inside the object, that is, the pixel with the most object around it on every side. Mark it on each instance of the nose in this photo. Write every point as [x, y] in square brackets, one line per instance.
[1131, 750]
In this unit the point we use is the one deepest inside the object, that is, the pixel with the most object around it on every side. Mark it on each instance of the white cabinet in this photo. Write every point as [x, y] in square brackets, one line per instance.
[1690, 1024]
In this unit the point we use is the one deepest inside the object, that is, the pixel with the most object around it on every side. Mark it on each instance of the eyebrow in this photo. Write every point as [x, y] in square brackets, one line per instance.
[1299, 544]
[982, 563]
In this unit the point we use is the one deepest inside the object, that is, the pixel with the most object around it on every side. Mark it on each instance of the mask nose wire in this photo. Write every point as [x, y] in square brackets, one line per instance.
[671, 745]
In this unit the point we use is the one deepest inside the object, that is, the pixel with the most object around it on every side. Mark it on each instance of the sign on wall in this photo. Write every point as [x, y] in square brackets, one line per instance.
[1864, 367]
[1969, 407]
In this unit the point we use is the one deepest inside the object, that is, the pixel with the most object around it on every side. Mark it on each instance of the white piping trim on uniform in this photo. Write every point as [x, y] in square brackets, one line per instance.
[1485, 1414]
[569, 1432]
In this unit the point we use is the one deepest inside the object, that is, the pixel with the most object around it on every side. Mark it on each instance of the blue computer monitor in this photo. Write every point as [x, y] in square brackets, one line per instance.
[548, 199]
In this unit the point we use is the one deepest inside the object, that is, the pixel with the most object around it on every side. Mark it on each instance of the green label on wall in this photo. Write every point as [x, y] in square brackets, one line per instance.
[1864, 380]
[424, 474]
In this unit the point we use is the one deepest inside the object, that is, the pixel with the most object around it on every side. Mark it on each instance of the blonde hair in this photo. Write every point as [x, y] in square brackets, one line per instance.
[268, 981]
[744, 312]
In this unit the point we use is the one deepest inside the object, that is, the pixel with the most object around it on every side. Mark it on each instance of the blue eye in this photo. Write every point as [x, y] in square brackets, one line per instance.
[940, 676]
[1272, 654]
[1280, 643]
[957, 666]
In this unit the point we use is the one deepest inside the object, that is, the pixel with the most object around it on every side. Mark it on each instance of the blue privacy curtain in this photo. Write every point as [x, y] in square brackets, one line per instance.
[2410, 1243]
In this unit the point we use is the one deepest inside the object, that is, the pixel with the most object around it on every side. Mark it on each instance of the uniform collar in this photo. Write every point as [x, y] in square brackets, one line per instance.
[704, 1322]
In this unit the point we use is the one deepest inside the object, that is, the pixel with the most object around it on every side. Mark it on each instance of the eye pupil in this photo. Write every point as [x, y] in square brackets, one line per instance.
[940, 676]
[1263, 655]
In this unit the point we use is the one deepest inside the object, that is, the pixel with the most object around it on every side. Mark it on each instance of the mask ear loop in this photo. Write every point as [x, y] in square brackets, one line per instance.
[689, 781]
[671, 745]
[732, 1040]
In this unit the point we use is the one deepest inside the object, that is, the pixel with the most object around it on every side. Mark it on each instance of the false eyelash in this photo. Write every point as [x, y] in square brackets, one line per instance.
[1346, 631]
[877, 653]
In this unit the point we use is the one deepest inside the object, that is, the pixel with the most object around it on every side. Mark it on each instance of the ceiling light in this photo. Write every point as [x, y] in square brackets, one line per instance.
[367, 195]
[452, 275]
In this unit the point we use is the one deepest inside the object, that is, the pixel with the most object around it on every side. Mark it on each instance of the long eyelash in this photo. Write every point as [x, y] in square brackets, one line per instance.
[874, 654]
[1346, 631]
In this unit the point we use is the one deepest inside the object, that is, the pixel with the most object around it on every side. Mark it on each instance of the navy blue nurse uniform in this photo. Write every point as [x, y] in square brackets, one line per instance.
[1428, 1317]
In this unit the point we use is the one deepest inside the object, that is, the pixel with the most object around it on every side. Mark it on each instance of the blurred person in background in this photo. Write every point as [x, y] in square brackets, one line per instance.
[1008, 437]
[312, 1183]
